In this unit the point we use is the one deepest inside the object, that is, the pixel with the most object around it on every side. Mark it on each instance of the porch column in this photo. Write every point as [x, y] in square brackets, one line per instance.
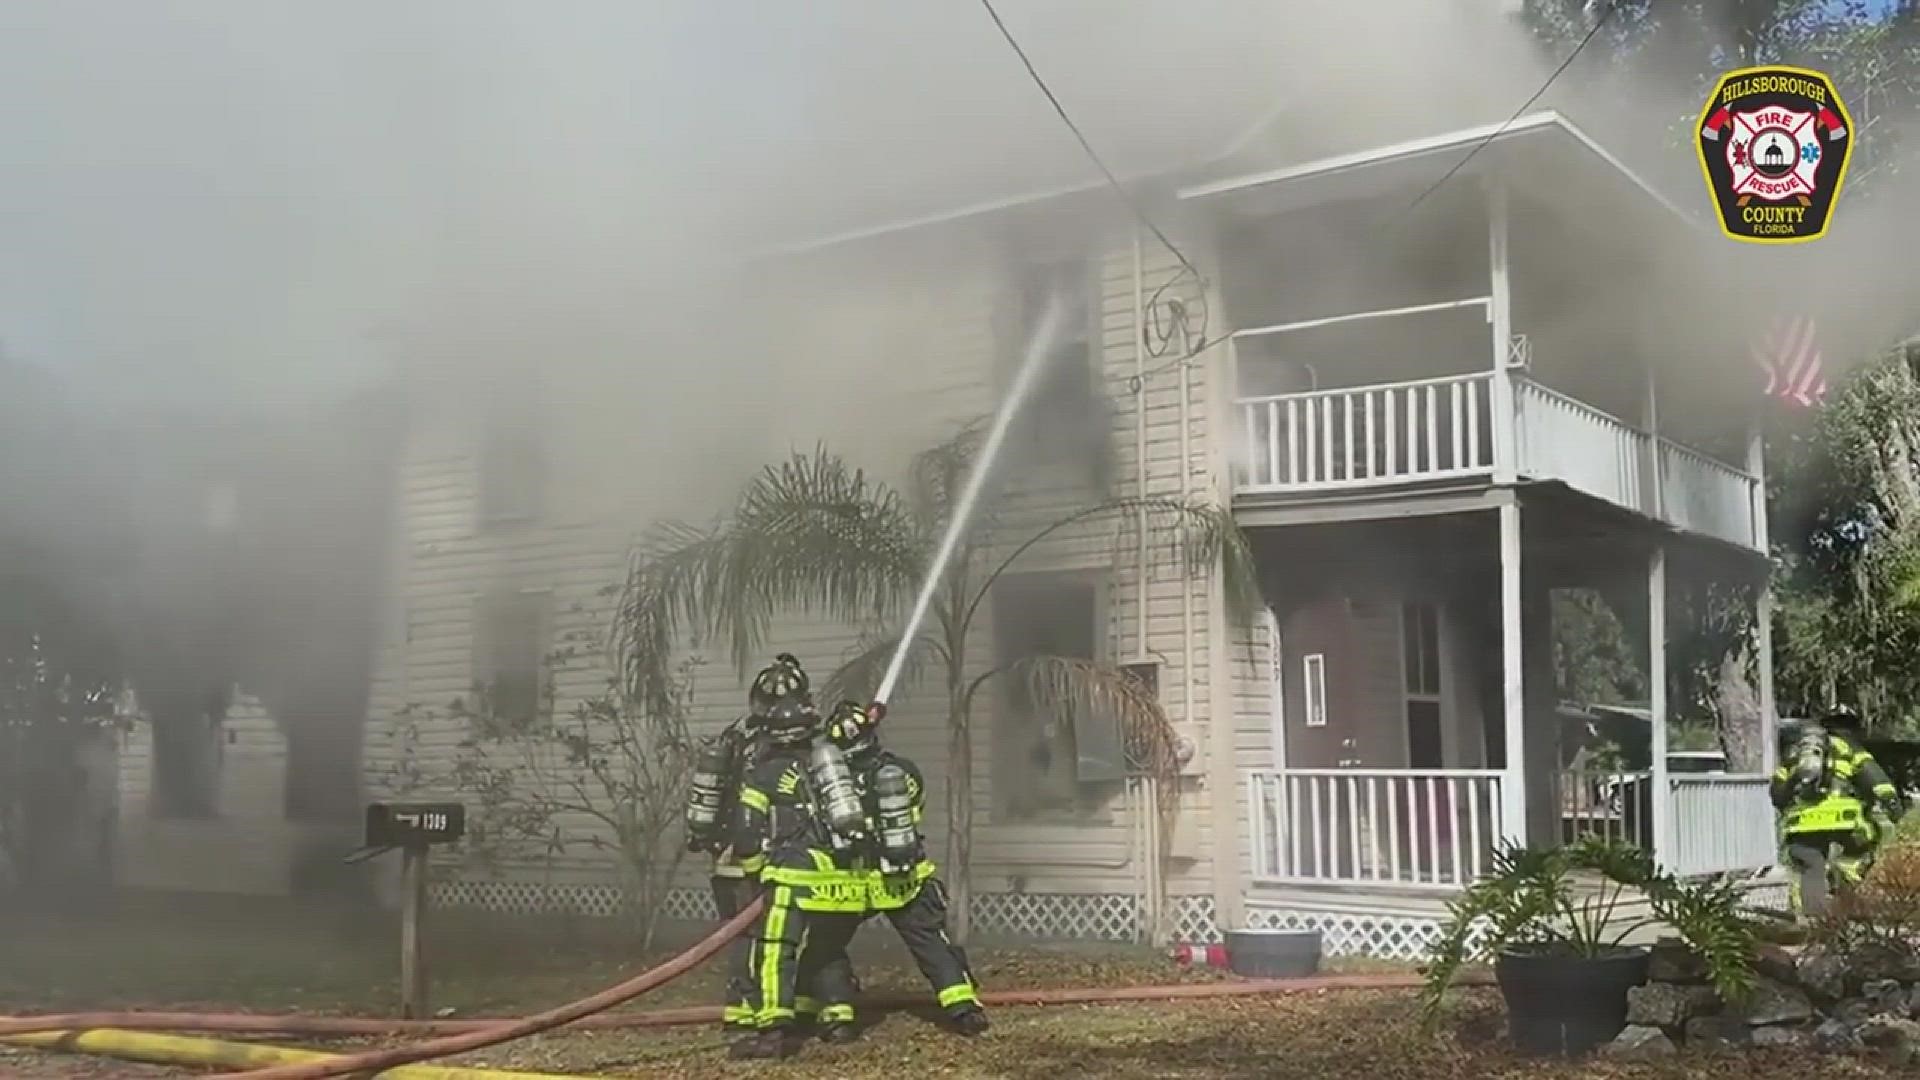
[1513, 792]
[1763, 613]
[1657, 703]
[1506, 418]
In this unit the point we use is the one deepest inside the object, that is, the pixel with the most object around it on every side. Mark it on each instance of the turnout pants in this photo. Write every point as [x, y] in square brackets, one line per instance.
[1811, 858]
[920, 918]
[800, 955]
[731, 893]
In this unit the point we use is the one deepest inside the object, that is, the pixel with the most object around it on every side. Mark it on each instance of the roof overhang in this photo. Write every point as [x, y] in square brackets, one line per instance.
[1543, 152]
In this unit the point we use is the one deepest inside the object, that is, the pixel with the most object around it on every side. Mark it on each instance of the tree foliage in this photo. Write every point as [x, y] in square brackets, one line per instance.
[816, 535]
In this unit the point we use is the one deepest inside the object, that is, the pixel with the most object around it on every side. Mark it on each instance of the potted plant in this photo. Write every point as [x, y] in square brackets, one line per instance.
[1558, 944]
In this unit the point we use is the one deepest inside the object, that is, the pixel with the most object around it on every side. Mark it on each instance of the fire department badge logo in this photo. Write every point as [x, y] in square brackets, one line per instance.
[1774, 143]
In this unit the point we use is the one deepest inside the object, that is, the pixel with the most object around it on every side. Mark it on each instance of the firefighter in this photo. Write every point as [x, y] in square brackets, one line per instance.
[719, 770]
[1832, 794]
[794, 815]
[900, 878]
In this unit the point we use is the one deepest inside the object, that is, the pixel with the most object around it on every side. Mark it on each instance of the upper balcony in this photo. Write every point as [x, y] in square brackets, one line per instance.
[1542, 317]
[1429, 431]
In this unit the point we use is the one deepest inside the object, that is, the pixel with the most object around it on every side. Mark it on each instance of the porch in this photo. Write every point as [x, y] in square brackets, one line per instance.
[1416, 714]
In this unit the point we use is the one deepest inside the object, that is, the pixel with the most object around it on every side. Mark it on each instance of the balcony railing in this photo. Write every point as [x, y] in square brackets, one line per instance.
[1328, 441]
[1721, 824]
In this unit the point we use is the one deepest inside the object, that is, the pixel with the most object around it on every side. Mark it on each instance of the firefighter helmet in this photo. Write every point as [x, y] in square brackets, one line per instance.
[790, 721]
[1843, 722]
[778, 681]
[850, 728]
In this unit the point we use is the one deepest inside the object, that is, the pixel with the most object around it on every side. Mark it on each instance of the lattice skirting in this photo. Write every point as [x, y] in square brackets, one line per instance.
[1043, 916]
[1348, 933]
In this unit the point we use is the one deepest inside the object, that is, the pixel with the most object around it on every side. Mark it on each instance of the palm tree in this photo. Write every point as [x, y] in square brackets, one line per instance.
[815, 535]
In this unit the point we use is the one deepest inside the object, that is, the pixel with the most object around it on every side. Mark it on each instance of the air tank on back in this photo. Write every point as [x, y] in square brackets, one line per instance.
[836, 792]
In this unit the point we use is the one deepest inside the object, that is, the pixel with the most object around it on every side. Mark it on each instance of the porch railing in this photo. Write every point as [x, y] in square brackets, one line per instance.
[1368, 435]
[1605, 806]
[1387, 827]
[1721, 824]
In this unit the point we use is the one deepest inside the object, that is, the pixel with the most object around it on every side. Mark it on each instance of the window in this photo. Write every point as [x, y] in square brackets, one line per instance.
[1314, 679]
[1420, 635]
[1042, 761]
[511, 654]
[511, 468]
[186, 756]
[1065, 415]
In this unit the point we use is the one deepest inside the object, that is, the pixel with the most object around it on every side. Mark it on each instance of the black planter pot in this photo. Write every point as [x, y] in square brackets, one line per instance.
[1567, 1005]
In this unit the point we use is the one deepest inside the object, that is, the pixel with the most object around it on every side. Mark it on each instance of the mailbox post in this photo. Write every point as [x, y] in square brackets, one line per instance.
[413, 828]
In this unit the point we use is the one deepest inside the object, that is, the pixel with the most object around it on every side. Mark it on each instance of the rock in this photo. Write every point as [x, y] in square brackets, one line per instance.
[1781, 1037]
[1835, 1036]
[1774, 1003]
[1854, 1013]
[1886, 996]
[1708, 1032]
[1895, 1039]
[1669, 1006]
[1876, 962]
[1776, 962]
[1640, 1043]
[1672, 960]
[1821, 974]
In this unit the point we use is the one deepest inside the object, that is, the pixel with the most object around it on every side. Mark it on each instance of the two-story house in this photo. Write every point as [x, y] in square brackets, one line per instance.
[1427, 410]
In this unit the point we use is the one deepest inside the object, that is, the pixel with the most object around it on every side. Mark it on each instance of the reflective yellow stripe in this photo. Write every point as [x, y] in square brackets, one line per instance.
[822, 861]
[737, 1014]
[753, 864]
[806, 1006]
[770, 939]
[755, 799]
[958, 995]
[837, 1014]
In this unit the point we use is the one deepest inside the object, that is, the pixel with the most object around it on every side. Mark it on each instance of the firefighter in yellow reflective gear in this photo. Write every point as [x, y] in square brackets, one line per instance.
[901, 883]
[1836, 803]
[720, 767]
[816, 897]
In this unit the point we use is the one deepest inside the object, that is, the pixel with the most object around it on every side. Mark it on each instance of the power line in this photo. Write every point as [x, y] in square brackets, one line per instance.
[1084, 144]
[1612, 6]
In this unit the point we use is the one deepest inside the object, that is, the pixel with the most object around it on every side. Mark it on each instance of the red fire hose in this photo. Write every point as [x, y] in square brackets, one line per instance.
[362, 1027]
[372, 1061]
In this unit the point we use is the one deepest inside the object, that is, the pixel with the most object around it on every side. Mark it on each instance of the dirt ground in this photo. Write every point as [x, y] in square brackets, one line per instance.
[231, 956]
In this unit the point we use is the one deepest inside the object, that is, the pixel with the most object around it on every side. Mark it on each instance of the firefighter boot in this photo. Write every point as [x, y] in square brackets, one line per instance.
[969, 1021]
[769, 1044]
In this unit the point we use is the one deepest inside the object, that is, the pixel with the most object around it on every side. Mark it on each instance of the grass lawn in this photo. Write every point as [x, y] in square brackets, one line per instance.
[257, 957]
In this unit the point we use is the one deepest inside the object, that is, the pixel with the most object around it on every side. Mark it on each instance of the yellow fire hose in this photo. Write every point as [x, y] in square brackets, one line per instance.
[203, 1053]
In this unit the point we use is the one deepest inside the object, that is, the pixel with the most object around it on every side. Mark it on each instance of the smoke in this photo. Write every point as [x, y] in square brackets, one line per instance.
[233, 226]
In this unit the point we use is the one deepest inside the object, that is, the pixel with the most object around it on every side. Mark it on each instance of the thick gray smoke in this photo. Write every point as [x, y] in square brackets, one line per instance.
[233, 226]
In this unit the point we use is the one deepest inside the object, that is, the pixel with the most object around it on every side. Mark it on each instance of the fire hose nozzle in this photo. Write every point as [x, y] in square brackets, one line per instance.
[877, 711]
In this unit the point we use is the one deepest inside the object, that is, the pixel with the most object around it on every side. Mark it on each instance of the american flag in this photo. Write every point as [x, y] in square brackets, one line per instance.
[1789, 355]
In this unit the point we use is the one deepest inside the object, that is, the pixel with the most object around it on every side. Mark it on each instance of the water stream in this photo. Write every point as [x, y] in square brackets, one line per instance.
[1039, 347]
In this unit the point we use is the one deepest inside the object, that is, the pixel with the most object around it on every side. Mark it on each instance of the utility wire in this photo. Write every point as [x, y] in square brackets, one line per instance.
[1084, 144]
[1612, 6]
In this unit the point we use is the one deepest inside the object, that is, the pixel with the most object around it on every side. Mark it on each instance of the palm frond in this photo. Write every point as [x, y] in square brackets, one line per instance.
[1074, 689]
[940, 472]
[814, 534]
[859, 675]
[669, 592]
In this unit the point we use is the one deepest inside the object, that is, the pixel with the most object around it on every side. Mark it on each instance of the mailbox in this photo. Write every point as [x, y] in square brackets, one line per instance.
[391, 825]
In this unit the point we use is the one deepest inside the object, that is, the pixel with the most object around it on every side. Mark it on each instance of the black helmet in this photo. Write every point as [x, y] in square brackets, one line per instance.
[790, 721]
[850, 728]
[1843, 721]
[782, 679]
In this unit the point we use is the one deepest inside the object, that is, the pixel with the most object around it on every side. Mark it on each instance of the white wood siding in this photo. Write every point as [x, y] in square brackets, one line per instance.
[878, 357]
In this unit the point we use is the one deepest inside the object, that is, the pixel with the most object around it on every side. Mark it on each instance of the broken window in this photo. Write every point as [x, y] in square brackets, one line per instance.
[1064, 420]
[512, 468]
[1043, 759]
[510, 654]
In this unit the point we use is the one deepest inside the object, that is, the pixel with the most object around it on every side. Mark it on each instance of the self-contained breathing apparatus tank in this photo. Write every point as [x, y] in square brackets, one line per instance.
[836, 794]
[899, 837]
[1810, 761]
[714, 770]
